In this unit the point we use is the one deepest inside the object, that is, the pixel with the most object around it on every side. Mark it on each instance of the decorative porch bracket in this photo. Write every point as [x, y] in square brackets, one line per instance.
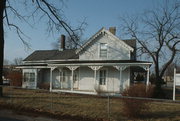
[72, 68]
[95, 68]
[51, 70]
[146, 67]
[121, 67]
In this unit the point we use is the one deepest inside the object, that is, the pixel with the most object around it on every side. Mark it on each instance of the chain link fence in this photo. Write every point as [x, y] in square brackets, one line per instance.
[81, 107]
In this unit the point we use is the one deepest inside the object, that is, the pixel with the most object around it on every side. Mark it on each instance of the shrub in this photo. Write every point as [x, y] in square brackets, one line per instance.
[44, 85]
[15, 78]
[135, 108]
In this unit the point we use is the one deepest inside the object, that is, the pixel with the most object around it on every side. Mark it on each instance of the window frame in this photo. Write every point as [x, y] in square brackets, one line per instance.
[29, 77]
[103, 78]
[101, 45]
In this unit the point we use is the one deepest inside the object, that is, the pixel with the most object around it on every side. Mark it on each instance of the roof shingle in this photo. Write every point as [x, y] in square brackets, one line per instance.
[52, 55]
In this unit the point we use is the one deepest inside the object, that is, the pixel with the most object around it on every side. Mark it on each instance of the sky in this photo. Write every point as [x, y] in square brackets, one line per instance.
[97, 14]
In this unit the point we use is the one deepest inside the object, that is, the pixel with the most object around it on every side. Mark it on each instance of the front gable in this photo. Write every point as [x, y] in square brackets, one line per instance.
[116, 48]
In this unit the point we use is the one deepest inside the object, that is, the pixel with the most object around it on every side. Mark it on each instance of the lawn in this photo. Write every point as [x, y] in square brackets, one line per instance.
[82, 106]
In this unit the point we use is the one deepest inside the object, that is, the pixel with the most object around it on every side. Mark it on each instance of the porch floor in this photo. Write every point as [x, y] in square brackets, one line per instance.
[87, 92]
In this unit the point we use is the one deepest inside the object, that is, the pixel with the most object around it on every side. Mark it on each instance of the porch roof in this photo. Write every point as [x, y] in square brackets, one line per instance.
[100, 63]
[97, 61]
[49, 64]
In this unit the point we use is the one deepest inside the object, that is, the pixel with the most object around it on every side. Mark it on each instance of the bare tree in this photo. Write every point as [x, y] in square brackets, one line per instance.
[6, 62]
[69, 44]
[157, 32]
[44, 10]
[18, 61]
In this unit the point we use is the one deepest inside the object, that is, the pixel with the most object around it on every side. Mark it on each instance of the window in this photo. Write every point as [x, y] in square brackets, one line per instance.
[75, 77]
[103, 50]
[29, 77]
[63, 76]
[102, 77]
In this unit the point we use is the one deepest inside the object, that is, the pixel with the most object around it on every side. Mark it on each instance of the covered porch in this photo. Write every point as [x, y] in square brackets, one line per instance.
[86, 77]
[93, 78]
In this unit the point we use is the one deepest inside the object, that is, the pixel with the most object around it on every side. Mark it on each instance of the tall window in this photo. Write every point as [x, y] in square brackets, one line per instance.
[75, 77]
[29, 77]
[103, 50]
[63, 76]
[102, 77]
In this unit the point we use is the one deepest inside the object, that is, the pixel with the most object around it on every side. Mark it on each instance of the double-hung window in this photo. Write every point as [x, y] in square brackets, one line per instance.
[102, 77]
[103, 50]
[29, 77]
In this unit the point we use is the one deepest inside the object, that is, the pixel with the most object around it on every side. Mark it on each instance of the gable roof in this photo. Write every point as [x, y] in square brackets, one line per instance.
[103, 31]
[52, 55]
[131, 42]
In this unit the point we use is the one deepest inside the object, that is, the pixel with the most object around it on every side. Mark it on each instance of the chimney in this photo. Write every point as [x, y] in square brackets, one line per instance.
[112, 30]
[62, 43]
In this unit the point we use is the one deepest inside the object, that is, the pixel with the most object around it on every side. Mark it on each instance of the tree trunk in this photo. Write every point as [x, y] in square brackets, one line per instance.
[158, 92]
[2, 8]
[158, 78]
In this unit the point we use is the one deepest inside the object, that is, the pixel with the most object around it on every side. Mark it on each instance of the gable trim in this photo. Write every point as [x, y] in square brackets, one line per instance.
[100, 32]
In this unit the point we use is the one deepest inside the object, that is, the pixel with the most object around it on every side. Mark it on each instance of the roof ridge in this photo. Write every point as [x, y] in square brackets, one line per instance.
[128, 39]
[54, 50]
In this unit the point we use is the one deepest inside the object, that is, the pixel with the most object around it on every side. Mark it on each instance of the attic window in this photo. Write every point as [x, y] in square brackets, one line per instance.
[103, 50]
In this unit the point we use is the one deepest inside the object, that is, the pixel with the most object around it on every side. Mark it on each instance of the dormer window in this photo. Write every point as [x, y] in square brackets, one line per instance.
[103, 50]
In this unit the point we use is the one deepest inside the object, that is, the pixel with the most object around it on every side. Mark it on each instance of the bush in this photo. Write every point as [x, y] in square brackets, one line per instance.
[44, 85]
[136, 108]
[15, 78]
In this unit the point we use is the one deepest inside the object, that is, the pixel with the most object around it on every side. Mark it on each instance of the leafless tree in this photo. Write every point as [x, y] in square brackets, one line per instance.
[6, 62]
[69, 44]
[18, 61]
[40, 10]
[157, 32]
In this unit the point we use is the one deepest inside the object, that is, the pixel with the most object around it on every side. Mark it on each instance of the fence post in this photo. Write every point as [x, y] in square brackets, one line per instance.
[174, 85]
[108, 107]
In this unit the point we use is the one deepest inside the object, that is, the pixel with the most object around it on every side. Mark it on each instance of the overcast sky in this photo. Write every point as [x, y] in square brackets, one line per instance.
[98, 14]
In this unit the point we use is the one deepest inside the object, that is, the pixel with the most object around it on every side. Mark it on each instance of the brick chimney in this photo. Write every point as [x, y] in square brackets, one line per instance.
[112, 30]
[62, 41]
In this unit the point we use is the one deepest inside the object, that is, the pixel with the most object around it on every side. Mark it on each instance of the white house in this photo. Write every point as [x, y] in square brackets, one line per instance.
[104, 63]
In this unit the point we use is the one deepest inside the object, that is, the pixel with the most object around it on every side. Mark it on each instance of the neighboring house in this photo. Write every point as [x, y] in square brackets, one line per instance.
[104, 63]
[7, 70]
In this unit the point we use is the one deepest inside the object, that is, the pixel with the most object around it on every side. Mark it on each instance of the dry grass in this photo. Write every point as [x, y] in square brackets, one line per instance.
[83, 106]
[136, 107]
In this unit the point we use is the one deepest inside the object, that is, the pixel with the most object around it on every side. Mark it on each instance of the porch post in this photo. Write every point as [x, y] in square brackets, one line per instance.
[95, 77]
[36, 78]
[120, 74]
[95, 68]
[51, 70]
[50, 79]
[72, 71]
[72, 68]
[147, 81]
[120, 68]
[60, 77]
